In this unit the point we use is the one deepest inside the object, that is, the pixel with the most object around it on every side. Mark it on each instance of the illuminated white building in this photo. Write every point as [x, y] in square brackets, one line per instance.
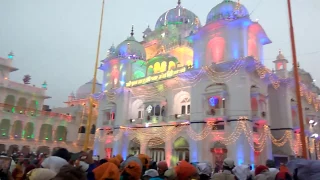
[28, 126]
[202, 92]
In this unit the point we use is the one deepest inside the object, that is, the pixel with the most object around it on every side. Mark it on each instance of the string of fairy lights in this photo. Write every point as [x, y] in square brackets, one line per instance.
[156, 136]
[212, 72]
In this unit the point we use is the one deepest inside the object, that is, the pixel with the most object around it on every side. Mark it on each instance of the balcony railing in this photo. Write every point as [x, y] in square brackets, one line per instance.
[160, 119]
[33, 112]
[24, 87]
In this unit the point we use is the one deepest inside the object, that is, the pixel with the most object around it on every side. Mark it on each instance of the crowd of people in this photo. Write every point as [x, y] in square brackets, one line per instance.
[63, 165]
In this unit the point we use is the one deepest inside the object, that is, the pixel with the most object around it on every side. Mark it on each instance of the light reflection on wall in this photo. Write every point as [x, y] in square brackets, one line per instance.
[215, 49]
[184, 55]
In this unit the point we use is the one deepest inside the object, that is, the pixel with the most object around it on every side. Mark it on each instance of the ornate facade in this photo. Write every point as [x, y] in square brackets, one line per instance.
[202, 93]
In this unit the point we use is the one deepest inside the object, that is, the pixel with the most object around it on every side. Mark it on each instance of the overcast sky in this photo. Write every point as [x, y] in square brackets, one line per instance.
[56, 40]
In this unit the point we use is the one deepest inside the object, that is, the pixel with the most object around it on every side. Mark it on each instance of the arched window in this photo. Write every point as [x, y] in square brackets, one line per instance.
[172, 65]
[9, 103]
[93, 129]
[82, 129]
[16, 131]
[157, 110]
[28, 131]
[157, 67]
[46, 132]
[163, 66]
[61, 133]
[185, 106]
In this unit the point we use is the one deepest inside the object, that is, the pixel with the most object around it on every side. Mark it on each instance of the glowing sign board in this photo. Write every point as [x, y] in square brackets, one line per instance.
[157, 77]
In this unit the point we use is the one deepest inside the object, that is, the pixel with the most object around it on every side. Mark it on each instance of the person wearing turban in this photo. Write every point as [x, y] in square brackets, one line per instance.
[108, 171]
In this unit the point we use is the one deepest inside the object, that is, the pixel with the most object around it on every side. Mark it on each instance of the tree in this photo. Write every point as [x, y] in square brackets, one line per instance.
[26, 79]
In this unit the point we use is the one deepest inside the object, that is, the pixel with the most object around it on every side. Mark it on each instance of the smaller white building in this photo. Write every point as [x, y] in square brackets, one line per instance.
[27, 125]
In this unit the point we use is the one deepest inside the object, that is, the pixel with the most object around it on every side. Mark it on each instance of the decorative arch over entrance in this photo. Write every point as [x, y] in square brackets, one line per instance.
[156, 149]
[4, 127]
[181, 150]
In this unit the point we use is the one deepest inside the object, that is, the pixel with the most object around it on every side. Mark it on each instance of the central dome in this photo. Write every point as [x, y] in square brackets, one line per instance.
[178, 15]
[227, 10]
[85, 90]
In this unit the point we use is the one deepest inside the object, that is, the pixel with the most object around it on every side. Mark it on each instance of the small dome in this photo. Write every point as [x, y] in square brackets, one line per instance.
[131, 49]
[147, 31]
[280, 56]
[178, 15]
[85, 90]
[227, 10]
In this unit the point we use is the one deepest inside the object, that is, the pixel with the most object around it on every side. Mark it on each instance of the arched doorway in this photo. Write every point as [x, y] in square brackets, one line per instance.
[43, 149]
[16, 131]
[4, 127]
[21, 105]
[156, 149]
[25, 150]
[46, 132]
[181, 150]
[134, 146]
[28, 131]
[12, 149]
[2, 148]
[219, 153]
[9, 103]
[61, 133]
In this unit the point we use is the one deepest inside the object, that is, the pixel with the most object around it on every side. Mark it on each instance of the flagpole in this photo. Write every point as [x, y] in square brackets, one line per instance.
[297, 83]
[90, 118]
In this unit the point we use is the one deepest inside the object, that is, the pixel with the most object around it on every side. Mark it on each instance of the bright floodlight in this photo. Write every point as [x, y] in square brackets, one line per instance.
[315, 123]
[311, 121]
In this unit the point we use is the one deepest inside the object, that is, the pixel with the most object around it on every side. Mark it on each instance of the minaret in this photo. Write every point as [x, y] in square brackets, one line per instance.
[281, 65]
[71, 97]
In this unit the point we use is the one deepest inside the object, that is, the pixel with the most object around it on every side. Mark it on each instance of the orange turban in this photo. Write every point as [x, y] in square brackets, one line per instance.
[107, 170]
[185, 170]
[120, 158]
[134, 170]
[114, 161]
[145, 160]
